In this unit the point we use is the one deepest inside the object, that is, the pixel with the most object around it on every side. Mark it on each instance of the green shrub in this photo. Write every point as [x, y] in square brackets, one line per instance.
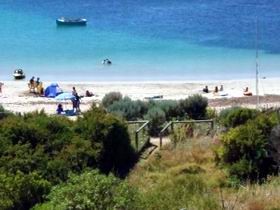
[128, 109]
[110, 98]
[211, 113]
[245, 150]
[170, 108]
[54, 146]
[20, 191]
[156, 116]
[195, 106]
[110, 140]
[91, 190]
[236, 116]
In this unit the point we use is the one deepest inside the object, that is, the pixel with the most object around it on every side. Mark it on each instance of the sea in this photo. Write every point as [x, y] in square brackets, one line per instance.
[146, 40]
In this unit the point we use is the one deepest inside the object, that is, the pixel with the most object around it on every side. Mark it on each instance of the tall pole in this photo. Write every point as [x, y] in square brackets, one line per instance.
[257, 63]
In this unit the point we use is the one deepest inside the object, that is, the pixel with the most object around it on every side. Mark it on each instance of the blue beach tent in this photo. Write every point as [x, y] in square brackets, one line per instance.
[53, 90]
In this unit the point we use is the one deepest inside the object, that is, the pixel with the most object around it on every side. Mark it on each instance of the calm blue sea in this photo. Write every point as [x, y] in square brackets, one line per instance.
[145, 39]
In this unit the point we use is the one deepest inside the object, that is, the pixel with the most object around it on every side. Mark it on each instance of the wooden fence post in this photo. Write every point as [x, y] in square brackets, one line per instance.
[136, 141]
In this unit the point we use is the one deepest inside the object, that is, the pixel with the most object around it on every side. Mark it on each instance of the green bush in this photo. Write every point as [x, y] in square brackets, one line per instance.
[92, 190]
[236, 116]
[170, 108]
[110, 98]
[128, 109]
[21, 191]
[195, 107]
[54, 146]
[245, 150]
[156, 116]
[110, 140]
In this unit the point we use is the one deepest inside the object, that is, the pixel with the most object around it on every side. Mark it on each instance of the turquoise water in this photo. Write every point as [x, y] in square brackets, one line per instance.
[146, 40]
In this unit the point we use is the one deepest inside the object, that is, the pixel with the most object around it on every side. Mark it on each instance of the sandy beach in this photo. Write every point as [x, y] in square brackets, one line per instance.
[16, 97]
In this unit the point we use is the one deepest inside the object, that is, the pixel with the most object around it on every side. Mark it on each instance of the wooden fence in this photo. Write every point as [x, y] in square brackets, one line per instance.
[140, 135]
[171, 124]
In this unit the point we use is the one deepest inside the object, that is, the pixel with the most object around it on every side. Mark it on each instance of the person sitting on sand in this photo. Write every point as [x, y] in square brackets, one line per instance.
[216, 90]
[37, 81]
[205, 90]
[40, 89]
[31, 81]
[89, 94]
[59, 109]
[31, 85]
[246, 92]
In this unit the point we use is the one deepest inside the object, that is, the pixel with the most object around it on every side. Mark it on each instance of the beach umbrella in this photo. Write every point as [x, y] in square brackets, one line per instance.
[64, 96]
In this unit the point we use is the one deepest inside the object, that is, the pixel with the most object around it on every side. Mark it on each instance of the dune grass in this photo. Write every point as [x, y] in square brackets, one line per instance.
[186, 177]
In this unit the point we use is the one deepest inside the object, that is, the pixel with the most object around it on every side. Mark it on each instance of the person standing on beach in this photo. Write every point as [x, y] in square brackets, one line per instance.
[1, 85]
[74, 92]
[76, 101]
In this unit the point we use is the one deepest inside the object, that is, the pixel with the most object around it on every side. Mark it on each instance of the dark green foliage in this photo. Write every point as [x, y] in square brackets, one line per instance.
[233, 117]
[109, 138]
[195, 107]
[21, 191]
[245, 149]
[156, 116]
[110, 98]
[129, 109]
[91, 191]
[52, 147]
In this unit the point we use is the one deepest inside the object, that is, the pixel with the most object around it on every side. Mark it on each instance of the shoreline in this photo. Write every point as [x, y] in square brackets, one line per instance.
[16, 96]
[144, 81]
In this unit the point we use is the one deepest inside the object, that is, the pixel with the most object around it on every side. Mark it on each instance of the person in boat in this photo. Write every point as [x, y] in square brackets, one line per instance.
[205, 90]
[246, 92]
[59, 109]
[106, 62]
[89, 94]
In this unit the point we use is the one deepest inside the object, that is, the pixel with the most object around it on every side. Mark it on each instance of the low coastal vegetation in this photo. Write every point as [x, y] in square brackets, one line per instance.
[51, 162]
[157, 112]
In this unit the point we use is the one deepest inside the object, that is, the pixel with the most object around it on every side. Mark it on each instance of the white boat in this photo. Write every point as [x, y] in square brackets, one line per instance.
[71, 22]
[18, 74]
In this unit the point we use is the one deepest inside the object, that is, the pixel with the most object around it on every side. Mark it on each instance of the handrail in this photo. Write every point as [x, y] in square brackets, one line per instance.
[166, 126]
[183, 121]
[136, 121]
[145, 123]
[143, 126]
